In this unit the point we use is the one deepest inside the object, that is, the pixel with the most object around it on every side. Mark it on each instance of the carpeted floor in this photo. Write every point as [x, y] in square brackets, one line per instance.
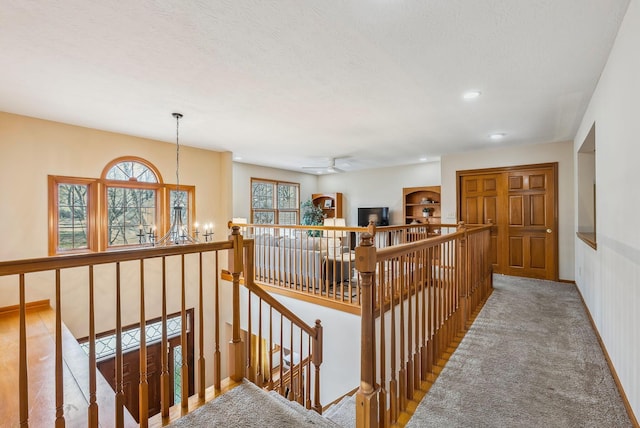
[531, 359]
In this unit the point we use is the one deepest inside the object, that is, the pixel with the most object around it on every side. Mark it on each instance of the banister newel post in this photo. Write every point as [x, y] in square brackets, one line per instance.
[317, 361]
[367, 395]
[465, 269]
[236, 350]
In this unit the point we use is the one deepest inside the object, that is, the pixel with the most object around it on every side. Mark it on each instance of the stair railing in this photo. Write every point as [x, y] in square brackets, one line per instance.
[178, 275]
[416, 297]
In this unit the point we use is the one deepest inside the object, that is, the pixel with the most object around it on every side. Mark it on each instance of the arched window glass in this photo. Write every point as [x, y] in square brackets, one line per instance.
[131, 171]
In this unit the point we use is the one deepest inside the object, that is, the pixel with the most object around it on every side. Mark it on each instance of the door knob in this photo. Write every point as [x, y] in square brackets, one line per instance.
[549, 230]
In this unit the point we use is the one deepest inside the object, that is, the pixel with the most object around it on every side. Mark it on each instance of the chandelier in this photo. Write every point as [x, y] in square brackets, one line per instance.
[178, 233]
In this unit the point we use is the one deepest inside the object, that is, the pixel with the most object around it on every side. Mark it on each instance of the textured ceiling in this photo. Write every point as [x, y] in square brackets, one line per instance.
[294, 83]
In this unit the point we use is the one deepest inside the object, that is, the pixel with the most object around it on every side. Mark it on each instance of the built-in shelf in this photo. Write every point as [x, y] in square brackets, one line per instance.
[330, 203]
[416, 199]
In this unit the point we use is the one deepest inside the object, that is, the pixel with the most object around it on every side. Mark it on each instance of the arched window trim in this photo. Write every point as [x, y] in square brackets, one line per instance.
[137, 159]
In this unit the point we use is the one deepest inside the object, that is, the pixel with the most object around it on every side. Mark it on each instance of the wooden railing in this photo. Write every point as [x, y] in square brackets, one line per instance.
[415, 298]
[318, 263]
[178, 270]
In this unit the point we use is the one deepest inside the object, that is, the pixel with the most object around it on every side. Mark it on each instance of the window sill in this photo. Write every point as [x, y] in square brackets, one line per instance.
[588, 238]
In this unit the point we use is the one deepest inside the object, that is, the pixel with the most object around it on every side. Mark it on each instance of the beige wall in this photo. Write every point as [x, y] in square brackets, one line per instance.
[31, 149]
[609, 277]
[521, 155]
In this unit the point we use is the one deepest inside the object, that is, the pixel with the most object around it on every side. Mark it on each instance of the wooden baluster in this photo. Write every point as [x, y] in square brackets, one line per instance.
[60, 422]
[216, 352]
[292, 383]
[300, 376]
[418, 275]
[393, 383]
[119, 410]
[201, 360]
[402, 374]
[260, 369]
[423, 294]
[281, 362]
[165, 377]
[92, 413]
[317, 362]
[408, 274]
[308, 371]
[184, 367]
[248, 363]
[382, 395]
[270, 347]
[143, 391]
[367, 395]
[23, 386]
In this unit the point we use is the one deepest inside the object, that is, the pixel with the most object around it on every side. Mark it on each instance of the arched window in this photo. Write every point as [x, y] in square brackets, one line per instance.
[136, 208]
[132, 190]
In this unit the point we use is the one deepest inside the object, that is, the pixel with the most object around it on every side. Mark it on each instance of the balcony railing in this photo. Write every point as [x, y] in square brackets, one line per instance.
[416, 297]
[160, 278]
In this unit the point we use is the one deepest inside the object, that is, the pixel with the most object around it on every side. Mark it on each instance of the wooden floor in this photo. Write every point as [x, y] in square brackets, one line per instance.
[40, 323]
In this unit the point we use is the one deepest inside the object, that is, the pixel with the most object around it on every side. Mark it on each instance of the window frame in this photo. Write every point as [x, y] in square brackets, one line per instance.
[276, 210]
[92, 239]
[97, 206]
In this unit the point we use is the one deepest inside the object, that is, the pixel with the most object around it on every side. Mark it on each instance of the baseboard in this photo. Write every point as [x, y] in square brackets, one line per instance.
[612, 369]
[29, 306]
[567, 281]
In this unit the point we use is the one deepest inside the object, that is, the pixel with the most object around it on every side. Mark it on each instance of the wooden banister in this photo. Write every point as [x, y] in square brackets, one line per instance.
[427, 287]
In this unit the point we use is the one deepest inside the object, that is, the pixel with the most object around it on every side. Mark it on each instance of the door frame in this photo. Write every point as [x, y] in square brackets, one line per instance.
[506, 169]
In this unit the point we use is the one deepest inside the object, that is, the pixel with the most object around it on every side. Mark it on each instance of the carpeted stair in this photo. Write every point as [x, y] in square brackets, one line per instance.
[246, 405]
[343, 413]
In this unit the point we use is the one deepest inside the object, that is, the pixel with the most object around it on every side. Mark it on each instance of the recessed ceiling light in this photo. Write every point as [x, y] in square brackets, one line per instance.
[497, 136]
[237, 158]
[423, 159]
[469, 95]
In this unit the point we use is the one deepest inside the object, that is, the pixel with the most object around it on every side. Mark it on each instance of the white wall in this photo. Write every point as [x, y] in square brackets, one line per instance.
[340, 369]
[378, 187]
[521, 155]
[609, 277]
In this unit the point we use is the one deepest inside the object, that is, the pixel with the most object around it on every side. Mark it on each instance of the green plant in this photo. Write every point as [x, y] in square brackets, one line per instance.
[312, 215]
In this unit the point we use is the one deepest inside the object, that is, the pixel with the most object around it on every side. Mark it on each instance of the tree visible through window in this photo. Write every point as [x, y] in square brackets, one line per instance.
[73, 212]
[274, 202]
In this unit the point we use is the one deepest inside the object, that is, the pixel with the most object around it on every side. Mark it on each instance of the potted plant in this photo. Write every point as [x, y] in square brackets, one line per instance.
[312, 215]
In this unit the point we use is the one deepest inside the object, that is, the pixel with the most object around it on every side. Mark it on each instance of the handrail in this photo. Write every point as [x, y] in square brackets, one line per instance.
[15, 267]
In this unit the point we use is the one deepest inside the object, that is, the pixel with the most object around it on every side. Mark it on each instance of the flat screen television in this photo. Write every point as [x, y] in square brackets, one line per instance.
[379, 215]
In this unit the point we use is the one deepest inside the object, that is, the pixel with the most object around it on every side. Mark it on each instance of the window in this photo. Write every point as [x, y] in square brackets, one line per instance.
[136, 209]
[71, 217]
[274, 202]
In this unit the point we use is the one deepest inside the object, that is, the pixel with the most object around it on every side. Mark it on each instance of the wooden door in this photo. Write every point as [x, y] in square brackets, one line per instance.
[522, 202]
[531, 223]
[131, 374]
[479, 205]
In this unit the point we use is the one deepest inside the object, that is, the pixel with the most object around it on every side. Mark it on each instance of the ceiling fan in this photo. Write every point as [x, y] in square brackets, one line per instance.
[330, 168]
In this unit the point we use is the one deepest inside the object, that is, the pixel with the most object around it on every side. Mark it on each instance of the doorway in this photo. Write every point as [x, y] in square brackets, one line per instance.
[522, 203]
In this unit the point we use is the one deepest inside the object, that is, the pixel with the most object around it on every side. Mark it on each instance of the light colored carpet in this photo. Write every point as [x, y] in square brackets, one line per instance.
[531, 359]
[248, 406]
